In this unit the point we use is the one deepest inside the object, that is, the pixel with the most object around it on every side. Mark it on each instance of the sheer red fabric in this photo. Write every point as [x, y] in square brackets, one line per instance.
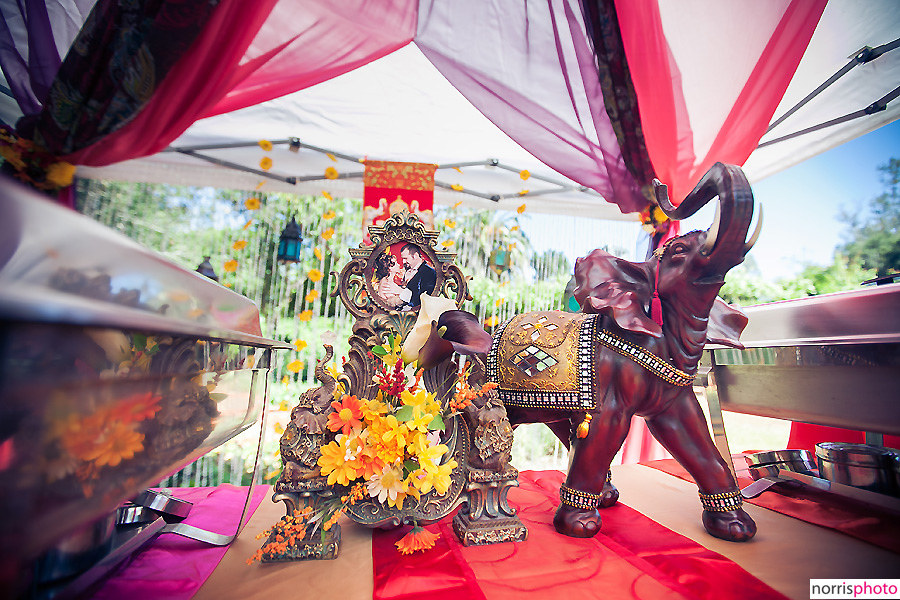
[249, 53]
[633, 556]
[661, 92]
[805, 436]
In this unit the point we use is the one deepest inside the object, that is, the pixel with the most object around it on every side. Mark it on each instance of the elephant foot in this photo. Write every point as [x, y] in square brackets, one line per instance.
[732, 525]
[576, 522]
[609, 495]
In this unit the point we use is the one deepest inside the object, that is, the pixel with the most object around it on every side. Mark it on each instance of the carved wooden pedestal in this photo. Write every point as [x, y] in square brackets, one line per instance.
[487, 517]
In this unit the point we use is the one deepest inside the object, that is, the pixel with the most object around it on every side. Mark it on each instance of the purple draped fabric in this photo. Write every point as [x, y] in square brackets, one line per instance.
[529, 67]
[31, 34]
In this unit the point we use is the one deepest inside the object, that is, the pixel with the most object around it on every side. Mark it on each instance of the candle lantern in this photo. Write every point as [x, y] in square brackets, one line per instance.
[289, 243]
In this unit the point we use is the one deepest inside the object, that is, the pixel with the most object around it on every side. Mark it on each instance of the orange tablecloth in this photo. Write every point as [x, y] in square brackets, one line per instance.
[869, 523]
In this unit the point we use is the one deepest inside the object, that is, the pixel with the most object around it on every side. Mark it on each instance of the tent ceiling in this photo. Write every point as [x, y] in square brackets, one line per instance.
[401, 108]
[396, 108]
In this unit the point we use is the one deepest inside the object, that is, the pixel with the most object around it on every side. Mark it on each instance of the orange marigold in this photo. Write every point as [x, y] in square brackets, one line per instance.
[417, 539]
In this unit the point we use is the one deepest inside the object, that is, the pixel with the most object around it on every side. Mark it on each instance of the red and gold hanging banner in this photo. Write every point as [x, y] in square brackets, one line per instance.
[391, 187]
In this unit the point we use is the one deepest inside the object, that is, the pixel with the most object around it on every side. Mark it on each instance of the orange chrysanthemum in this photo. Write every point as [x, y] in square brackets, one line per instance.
[417, 539]
[347, 415]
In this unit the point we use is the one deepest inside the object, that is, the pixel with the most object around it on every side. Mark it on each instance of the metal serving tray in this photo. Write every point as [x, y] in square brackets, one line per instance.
[117, 368]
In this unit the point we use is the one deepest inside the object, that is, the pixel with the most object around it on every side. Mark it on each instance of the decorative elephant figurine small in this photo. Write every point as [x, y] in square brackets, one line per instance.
[633, 350]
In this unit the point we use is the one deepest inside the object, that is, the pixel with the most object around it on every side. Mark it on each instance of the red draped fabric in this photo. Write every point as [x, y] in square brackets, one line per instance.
[251, 52]
[631, 557]
[640, 445]
[665, 109]
[805, 436]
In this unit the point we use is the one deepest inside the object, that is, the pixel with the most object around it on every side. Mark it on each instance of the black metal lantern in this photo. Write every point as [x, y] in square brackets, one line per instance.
[206, 269]
[289, 243]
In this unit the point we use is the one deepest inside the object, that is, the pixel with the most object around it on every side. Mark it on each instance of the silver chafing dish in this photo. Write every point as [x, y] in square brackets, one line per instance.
[831, 360]
[117, 368]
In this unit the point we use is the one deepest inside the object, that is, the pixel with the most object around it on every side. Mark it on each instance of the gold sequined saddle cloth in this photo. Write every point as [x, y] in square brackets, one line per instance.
[546, 360]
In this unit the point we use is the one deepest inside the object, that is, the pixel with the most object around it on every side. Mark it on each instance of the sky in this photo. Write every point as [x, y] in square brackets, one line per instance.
[802, 204]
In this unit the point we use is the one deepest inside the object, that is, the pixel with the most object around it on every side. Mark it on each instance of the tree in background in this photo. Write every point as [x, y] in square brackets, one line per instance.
[874, 236]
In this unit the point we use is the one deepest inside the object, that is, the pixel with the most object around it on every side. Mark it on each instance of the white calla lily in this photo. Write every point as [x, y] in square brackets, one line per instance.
[430, 310]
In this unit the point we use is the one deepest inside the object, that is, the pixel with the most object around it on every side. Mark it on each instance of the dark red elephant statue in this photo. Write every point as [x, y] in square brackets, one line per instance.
[634, 349]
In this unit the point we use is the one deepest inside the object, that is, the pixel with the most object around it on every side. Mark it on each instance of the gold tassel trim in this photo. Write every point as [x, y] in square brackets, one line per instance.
[584, 427]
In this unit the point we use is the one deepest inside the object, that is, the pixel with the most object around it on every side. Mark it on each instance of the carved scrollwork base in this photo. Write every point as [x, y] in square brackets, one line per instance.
[487, 518]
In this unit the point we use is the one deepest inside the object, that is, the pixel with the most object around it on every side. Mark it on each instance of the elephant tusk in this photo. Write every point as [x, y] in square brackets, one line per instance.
[661, 191]
[713, 232]
[750, 243]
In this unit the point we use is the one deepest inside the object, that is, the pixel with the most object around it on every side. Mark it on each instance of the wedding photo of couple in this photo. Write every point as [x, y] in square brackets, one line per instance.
[399, 284]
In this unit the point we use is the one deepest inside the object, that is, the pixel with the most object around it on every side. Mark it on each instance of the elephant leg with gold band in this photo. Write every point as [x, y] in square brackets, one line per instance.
[577, 515]
[563, 431]
[681, 428]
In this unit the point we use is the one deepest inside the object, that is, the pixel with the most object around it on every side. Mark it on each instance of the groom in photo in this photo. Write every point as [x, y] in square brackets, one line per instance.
[420, 276]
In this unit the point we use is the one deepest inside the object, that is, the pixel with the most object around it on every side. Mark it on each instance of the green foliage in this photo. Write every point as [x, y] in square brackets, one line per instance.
[745, 286]
[874, 236]
[476, 233]
[843, 274]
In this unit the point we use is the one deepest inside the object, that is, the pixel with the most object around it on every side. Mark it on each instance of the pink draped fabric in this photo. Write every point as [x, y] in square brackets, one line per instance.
[256, 51]
[664, 100]
[640, 445]
[529, 68]
[174, 567]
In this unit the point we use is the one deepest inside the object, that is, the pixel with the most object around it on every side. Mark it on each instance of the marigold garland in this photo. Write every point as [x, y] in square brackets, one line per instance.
[33, 164]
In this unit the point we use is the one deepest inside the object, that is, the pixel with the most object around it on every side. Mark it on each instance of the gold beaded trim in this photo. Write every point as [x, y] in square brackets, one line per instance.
[722, 502]
[578, 499]
[609, 476]
[646, 359]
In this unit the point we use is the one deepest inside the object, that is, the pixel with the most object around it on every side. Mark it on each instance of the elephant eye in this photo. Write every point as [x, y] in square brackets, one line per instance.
[679, 249]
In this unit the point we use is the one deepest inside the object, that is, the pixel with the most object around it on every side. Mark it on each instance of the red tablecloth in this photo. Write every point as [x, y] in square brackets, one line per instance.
[632, 557]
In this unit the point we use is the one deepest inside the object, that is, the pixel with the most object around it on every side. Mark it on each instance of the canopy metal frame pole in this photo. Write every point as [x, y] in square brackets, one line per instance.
[295, 144]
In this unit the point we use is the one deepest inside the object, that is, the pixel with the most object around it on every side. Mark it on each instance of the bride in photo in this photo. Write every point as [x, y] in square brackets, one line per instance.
[388, 275]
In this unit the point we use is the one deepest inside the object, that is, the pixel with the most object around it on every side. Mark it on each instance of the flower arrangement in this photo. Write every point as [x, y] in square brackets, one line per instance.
[33, 164]
[654, 220]
[387, 449]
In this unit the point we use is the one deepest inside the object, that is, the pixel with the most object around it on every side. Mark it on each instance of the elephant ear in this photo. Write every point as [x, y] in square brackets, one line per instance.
[617, 288]
[725, 325]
